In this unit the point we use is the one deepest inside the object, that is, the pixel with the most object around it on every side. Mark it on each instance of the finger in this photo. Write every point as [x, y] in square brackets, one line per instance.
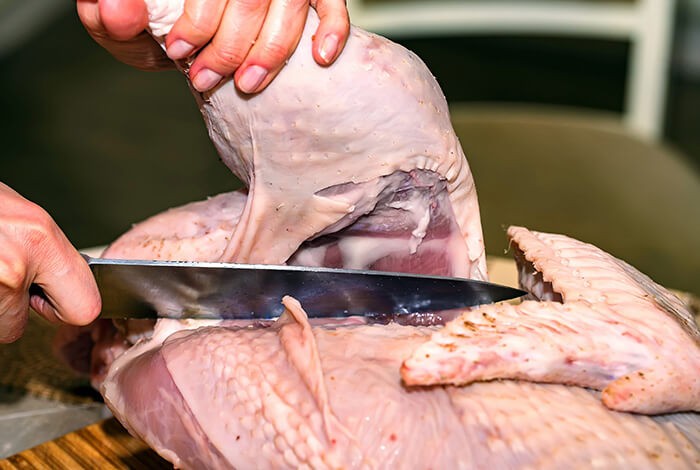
[332, 32]
[14, 299]
[239, 27]
[13, 318]
[140, 51]
[123, 19]
[69, 290]
[199, 21]
[277, 41]
[89, 14]
[37, 252]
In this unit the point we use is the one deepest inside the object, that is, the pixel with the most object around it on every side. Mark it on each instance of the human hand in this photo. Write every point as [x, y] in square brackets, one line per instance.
[34, 251]
[252, 38]
[119, 26]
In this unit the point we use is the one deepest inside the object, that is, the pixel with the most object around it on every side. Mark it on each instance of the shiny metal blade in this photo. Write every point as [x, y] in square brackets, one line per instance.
[172, 289]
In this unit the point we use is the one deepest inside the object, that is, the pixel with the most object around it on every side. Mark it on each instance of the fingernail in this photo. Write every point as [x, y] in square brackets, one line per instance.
[251, 78]
[39, 304]
[329, 48]
[205, 80]
[180, 49]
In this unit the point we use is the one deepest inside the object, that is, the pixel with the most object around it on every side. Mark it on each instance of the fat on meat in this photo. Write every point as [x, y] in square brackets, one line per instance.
[595, 322]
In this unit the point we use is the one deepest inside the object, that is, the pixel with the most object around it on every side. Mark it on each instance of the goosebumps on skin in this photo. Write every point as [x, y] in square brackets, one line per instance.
[294, 395]
[326, 396]
[323, 148]
[599, 323]
[199, 231]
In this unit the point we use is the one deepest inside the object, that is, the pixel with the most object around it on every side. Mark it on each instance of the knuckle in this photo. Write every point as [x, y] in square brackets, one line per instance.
[201, 27]
[13, 273]
[227, 56]
[250, 5]
[275, 52]
[37, 224]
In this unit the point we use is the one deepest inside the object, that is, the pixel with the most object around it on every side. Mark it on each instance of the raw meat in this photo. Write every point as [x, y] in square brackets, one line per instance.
[252, 383]
[601, 324]
[372, 176]
[364, 146]
[292, 396]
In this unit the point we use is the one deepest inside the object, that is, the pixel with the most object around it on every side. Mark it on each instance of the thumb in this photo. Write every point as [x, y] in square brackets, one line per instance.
[123, 19]
[68, 291]
[119, 27]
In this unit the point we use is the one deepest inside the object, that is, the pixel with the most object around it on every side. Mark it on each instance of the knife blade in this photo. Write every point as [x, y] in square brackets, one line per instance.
[183, 289]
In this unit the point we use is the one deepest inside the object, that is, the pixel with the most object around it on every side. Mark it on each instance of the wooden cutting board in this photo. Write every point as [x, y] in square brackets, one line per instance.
[104, 445]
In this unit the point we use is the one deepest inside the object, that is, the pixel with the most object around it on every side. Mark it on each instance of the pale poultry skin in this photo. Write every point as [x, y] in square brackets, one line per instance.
[596, 322]
[291, 395]
[322, 169]
[296, 396]
[320, 145]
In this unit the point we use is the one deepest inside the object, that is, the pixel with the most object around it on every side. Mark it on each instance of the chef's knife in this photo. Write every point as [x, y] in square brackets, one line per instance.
[174, 289]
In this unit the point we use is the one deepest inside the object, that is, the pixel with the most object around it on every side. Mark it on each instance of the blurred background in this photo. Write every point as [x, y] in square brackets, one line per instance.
[578, 117]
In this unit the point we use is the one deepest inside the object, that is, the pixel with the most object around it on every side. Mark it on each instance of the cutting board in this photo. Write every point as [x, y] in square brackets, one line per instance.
[105, 445]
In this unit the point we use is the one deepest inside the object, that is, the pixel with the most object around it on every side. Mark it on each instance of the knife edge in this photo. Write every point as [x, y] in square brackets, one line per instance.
[208, 290]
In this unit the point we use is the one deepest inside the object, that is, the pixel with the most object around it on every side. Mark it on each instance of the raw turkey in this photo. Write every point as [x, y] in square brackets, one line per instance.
[357, 160]
[353, 165]
[294, 395]
[596, 322]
